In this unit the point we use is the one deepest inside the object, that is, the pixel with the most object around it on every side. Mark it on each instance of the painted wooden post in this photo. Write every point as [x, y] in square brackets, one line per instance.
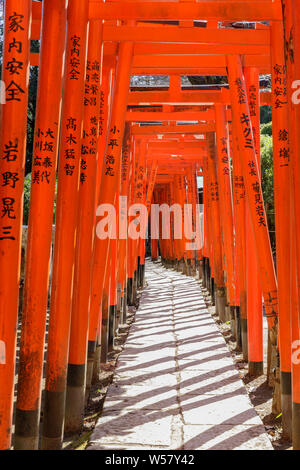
[66, 216]
[76, 379]
[281, 165]
[295, 43]
[226, 210]
[240, 109]
[43, 181]
[240, 249]
[110, 177]
[292, 68]
[94, 340]
[123, 222]
[254, 294]
[15, 76]
[216, 232]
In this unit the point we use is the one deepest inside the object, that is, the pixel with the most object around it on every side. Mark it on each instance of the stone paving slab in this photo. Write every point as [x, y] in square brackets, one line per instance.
[175, 385]
[226, 437]
[217, 382]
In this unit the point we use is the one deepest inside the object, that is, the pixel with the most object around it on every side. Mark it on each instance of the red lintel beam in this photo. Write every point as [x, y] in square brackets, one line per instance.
[177, 136]
[181, 129]
[137, 116]
[172, 162]
[187, 97]
[166, 169]
[160, 48]
[227, 41]
[162, 39]
[191, 62]
[148, 48]
[172, 108]
[175, 34]
[184, 71]
[179, 159]
[142, 67]
[180, 139]
[178, 146]
[195, 154]
[220, 10]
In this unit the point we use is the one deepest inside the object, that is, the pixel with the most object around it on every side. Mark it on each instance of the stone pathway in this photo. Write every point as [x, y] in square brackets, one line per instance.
[175, 385]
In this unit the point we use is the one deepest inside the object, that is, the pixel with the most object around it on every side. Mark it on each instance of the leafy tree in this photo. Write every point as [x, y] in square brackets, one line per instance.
[266, 129]
[267, 182]
[265, 114]
[32, 95]
[27, 187]
[208, 80]
[33, 79]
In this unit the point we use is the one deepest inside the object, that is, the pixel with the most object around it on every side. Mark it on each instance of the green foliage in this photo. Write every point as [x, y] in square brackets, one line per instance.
[267, 168]
[209, 80]
[266, 147]
[31, 116]
[266, 129]
[265, 114]
[27, 186]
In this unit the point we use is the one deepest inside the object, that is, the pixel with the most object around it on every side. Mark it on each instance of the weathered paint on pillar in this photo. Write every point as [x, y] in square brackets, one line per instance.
[15, 75]
[43, 181]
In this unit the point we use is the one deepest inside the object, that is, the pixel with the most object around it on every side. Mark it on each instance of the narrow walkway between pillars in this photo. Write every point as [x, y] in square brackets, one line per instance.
[175, 385]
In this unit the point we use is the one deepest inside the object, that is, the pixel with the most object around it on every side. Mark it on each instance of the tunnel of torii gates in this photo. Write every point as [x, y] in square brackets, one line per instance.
[148, 145]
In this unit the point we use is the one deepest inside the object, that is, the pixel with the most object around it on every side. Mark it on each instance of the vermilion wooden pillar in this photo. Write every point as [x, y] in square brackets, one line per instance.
[199, 237]
[188, 219]
[94, 339]
[112, 294]
[170, 240]
[178, 199]
[150, 191]
[143, 230]
[130, 267]
[76, 380]
[215, 226]
[66, 216]
[240, 247]
[254, 294]
[154, 249]
[110, 180]
[104, 316]
[226, 210]
[123, 222]
[206, 227]
[140, 200]
[47, 124]
[292, 63]
[15, 72]
[235, 255]
[137, 159]
[254, 193]
[282, 184]
[192, 255]
[296, 165]
[173, 240]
